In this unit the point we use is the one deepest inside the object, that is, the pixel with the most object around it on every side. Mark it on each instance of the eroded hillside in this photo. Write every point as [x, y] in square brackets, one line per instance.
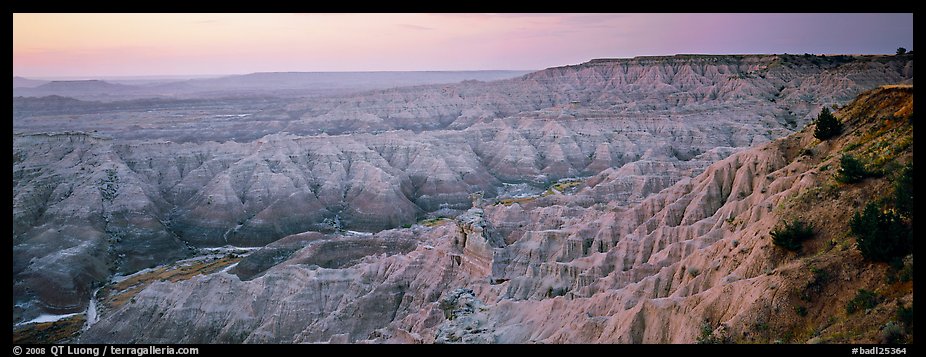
[693, 263]
[90, 206]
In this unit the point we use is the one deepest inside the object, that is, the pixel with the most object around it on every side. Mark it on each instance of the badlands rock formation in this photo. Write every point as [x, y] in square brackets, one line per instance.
[121, 194]
[695, 255]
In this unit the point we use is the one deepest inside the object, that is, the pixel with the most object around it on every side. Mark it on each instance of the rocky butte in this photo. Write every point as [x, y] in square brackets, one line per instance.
[618, 200]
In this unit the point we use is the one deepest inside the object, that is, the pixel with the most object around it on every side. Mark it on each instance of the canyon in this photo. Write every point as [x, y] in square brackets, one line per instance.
[618, 200]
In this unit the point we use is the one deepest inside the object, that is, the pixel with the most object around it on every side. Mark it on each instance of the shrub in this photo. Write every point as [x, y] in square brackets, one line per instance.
[863, 299]
[901, 51]
[891, 333]
[903, 192]
[554, 292]
[905, 316]
[792, 234]
[801, 311]
[820, 276]
[707, 335]
[816, 284]
[827, 126]
[881, 235]
[906, 272]
[851, 170]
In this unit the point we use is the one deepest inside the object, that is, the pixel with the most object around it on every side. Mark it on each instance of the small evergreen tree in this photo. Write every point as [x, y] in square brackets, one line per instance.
[901, 51]
[851, 170]
[903, 192]
[881, 235]
[827, 126]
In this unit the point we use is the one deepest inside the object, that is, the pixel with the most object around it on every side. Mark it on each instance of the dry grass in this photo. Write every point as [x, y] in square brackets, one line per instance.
[884, 142]
[563, 186]
[434, 222]
[124, 291]
[519, 200]
[61, 331]
[114, 296]
[881, 135]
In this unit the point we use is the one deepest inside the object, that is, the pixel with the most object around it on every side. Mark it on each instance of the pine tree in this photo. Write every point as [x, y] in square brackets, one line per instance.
[827, 125]
[903, 192]
[881, 235]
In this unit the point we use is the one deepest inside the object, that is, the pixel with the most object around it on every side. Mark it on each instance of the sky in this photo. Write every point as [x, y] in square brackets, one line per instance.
[100, 45]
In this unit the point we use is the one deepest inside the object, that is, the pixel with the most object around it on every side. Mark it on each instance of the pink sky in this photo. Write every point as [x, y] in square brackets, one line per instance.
[88, 45]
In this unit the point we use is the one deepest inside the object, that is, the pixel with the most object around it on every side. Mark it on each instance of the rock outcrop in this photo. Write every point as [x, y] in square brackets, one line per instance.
[139, 192]
[466, 319]
[693, 262]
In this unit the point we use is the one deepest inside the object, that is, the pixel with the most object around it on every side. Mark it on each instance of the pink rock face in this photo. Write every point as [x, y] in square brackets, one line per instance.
[641, 130]
[651, 272]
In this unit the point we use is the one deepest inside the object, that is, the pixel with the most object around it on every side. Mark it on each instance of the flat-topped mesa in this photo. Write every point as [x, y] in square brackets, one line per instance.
[767, 57]
[680, 59]
[683, 57]
[691, 57]
[752, 62]
[792, 85]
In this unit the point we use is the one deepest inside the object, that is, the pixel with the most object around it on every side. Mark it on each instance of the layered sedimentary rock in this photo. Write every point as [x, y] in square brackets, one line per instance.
[129, 197]
[693, 255]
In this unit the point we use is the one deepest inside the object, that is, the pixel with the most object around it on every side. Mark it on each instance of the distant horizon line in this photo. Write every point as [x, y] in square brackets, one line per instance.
[207, 76]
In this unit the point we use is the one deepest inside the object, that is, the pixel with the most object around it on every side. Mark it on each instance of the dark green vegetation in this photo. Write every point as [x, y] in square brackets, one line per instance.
[851, 170]
[827, 126]
[852, 280]
[708, 336]
[863, 299]
[882, 235]
[884, 230]
[792, 234]
[819, 278]
[903, 192]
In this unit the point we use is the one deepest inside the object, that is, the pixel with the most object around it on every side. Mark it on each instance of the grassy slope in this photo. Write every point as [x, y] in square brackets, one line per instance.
[878, 129]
